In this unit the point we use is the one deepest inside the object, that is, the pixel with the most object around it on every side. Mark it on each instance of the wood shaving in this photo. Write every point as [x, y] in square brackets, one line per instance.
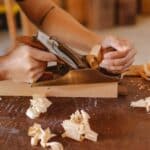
[37, 135]
[38, 105]
[78, 127]
[147, 69]
[138, 70]
[95, 57]
[143, 103]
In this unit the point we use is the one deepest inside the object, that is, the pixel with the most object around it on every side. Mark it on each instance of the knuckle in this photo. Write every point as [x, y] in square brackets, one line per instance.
[121, 68]
[116, 62]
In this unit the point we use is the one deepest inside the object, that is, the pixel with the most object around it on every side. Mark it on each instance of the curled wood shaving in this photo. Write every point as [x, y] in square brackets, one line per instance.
[38, 105]
[38, 134]
[95, 57]
[138, 70]
[78, 127]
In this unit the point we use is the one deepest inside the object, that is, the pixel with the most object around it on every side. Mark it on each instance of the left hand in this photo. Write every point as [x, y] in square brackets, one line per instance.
[120, 60]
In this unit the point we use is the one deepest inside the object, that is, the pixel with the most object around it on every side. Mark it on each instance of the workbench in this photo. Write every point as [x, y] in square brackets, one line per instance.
[119, 126]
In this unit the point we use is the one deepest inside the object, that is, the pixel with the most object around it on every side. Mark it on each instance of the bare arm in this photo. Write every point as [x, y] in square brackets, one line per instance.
[54, 21]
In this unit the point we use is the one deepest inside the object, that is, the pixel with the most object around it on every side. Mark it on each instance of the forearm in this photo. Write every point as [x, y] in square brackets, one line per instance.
[54, 21]
[62, 25]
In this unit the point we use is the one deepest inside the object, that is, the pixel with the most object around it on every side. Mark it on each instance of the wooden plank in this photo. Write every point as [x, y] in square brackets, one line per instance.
[101, 14]
[127, 12]
[105, 90]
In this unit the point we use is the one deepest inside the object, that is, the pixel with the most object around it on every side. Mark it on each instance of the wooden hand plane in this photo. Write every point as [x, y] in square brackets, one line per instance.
[72, 68]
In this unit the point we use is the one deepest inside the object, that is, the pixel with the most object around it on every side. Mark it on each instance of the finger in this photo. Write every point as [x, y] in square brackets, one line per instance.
[116, 54]
[120, 62]
[126, 67]
[35, 75]
[40, 65]
[120, 68]
[114, 68]
[42, 56]
[34, 64]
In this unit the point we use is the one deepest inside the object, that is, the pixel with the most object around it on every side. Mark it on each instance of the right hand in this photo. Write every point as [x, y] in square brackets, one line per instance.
[26, 64]
[120, 60]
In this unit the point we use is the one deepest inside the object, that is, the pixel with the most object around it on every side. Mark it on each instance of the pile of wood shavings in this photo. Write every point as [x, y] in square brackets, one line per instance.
[77, 128]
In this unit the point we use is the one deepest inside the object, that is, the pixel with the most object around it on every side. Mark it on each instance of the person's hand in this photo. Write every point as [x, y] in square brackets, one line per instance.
[119, 60]
[26, 64]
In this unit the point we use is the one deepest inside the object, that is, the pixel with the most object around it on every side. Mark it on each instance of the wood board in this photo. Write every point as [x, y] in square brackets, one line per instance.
[103, 90]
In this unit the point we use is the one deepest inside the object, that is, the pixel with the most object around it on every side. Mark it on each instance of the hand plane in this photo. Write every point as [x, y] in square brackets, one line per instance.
[72, 67]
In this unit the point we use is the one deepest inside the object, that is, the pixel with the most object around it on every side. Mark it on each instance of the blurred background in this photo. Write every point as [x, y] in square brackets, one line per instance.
[124, 18]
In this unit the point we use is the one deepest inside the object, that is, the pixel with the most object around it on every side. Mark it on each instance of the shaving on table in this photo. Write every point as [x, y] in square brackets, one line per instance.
[38, 105]
[78, 127]
[37, 135]
[143, 103]
[139, 70]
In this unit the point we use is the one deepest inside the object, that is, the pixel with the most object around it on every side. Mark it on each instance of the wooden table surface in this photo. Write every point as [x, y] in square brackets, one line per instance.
[119, 126]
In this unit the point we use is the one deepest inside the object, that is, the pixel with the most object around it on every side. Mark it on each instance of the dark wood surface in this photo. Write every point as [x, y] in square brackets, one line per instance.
[119, 126]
